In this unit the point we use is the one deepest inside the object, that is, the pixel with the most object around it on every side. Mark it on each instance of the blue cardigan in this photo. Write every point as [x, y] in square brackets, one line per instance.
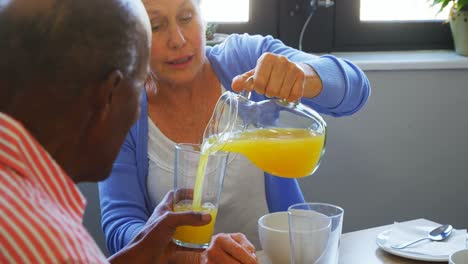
[125, 203]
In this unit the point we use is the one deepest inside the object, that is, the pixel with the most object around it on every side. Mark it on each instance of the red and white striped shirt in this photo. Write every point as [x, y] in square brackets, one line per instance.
[41, 209]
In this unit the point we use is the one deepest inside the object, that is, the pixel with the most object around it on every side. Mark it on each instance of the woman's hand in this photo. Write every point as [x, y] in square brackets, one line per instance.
[230, 248]
[224, 248]
[276, 76]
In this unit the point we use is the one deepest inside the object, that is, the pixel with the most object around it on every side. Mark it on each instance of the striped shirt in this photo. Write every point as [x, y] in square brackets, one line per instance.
[41, 209]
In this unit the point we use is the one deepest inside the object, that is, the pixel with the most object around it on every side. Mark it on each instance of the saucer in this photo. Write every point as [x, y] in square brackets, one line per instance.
[382, 239]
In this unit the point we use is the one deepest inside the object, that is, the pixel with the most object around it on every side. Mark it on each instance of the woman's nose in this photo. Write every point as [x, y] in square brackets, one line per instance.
[176, 37]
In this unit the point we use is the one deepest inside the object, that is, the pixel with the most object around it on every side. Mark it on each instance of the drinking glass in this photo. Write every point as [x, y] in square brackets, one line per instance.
[314, 233]
[198, 181]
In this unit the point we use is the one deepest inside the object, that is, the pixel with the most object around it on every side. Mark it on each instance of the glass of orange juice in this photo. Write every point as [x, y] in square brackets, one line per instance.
[198, 181]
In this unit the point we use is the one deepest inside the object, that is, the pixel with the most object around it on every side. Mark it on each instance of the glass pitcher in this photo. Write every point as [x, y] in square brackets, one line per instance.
[286, 139]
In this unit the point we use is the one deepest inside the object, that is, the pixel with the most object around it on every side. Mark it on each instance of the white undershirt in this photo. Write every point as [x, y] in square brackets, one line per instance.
[242, 199]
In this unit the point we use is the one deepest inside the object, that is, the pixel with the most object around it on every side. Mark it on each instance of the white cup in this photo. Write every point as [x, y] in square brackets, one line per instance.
[459, 257]
[273, 231]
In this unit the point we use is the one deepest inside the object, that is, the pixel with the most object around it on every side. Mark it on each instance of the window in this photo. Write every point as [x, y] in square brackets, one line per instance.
[348, 25]
[352, 32]
[400, 10]
[239, 16]
[226, 11]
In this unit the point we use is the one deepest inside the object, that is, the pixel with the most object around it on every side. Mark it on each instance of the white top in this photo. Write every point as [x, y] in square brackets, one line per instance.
[243, 198]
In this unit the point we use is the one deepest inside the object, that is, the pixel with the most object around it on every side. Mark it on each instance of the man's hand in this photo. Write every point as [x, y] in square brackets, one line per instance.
[150, 245]
[224, 248]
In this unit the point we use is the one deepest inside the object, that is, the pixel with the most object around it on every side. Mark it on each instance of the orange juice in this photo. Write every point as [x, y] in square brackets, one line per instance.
[284, 152]
[198, 235]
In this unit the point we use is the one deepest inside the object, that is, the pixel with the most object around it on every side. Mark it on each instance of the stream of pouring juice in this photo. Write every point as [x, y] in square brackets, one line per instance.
[284, 152]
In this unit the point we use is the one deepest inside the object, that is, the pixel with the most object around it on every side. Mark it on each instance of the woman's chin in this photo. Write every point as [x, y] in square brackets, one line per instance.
[179, 78]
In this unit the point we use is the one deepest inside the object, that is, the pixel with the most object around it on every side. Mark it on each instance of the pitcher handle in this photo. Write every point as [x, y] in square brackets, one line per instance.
[247, 94]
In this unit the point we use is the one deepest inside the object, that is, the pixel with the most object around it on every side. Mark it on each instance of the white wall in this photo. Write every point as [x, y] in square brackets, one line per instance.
[404, 156]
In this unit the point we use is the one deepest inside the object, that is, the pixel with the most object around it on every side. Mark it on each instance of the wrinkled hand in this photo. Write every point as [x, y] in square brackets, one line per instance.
[224, 248]
[276, 76]
[150, 245]
[230, 248]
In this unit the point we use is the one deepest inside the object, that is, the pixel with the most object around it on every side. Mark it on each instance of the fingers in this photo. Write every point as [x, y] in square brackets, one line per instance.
[173, 220]
[241, 253]
[274, 76]
[164, 226]
[289, 83]
[164, 206]
[156, 235]
[225, 248]
[220, 257]
[297, 90]
[243, 241]
[168, 198]
[263, 72]
[241, 82]
[279, 67]
[183, 194]
[167, 203]
[165, 221]
[159, 229]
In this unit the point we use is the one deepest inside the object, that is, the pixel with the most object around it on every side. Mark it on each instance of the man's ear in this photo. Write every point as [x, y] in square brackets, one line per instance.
[106, 92]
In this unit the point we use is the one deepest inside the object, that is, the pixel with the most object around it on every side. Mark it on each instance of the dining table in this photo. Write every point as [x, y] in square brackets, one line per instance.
[360, 247]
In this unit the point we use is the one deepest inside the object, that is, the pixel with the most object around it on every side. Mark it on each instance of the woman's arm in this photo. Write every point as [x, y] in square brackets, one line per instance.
[332, 86]
[123, 207]
[340, 87]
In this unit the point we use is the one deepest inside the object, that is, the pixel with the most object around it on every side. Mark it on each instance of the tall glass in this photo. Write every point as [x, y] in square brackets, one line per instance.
[198, 181]
[314, 233]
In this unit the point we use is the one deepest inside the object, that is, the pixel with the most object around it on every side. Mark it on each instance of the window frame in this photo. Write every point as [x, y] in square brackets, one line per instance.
[353, 35]
[338, 28]
[318, 35]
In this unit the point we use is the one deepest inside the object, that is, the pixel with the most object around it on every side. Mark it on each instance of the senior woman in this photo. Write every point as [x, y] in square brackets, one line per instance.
[189, 78]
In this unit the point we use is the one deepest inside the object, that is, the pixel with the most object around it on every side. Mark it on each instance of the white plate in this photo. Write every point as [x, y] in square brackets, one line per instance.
[382, 239]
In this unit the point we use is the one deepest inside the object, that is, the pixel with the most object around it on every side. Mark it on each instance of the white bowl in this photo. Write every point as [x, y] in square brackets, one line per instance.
[273, 231]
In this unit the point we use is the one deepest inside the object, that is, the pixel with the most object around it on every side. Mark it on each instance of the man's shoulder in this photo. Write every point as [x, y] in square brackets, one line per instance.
[34, 226]
[28, 212]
